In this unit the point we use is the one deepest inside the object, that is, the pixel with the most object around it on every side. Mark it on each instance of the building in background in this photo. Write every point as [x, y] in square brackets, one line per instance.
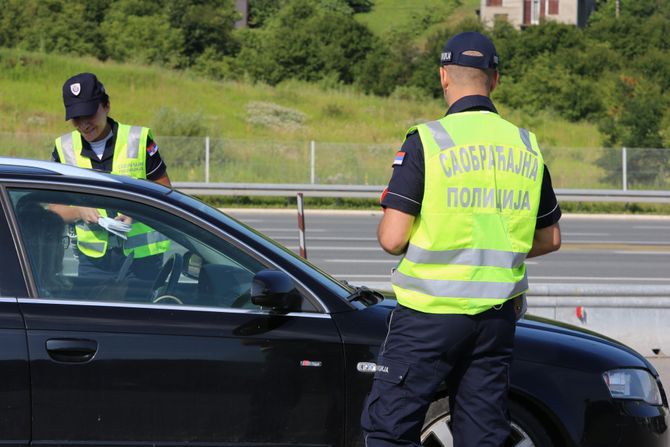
[522, 13]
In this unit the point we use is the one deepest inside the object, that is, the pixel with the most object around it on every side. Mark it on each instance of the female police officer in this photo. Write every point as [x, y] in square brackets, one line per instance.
[98, 142]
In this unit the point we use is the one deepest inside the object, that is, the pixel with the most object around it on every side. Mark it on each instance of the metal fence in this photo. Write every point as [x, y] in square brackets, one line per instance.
[205, 159]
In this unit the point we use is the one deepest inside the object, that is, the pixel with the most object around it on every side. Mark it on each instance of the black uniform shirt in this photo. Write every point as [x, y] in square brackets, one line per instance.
[155, 166]
[405, 190]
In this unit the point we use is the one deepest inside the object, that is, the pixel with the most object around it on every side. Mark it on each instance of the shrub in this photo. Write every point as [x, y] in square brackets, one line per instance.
[176, 123]
[273, 115]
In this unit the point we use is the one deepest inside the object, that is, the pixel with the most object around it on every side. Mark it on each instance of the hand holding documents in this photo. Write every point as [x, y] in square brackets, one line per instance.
[114, 226]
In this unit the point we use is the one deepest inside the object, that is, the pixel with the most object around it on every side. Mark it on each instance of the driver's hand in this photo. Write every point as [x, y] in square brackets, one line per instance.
[89, 215]
[125, 219]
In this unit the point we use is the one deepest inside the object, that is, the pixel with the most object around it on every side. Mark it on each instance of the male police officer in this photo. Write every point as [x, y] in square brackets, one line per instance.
[98, 142]
[468, 201]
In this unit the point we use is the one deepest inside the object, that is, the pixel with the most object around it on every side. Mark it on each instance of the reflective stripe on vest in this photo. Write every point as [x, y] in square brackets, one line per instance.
[133, 147]
[68, 150]
[144, 241]
[440, 135]
[140, 240]
[467, 247]
[91, 241]
[130, 160]
[465, 256]
[464, 289]
[525, 137]
[94, 246]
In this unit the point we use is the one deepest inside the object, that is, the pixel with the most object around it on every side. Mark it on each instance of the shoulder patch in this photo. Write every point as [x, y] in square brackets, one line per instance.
[399, 158]
[152, 148]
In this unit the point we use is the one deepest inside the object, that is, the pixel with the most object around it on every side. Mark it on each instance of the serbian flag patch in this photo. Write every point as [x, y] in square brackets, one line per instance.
[399, 158]
[152, 148]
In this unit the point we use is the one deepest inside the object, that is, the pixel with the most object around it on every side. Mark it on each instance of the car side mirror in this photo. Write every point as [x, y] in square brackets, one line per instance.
[275, 290]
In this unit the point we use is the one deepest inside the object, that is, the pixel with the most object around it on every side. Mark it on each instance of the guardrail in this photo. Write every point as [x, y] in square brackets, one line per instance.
[373, 191]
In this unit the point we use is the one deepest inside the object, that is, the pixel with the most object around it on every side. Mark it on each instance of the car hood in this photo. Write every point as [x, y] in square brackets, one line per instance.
[586, 344]
[541, 340]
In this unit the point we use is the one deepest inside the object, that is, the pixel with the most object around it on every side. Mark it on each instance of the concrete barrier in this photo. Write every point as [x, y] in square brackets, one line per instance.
[638, 316]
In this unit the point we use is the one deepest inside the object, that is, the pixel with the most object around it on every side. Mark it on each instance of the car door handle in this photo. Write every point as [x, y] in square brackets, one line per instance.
[71, 350]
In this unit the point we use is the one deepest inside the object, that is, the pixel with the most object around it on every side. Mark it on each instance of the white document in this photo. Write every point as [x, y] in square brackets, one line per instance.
[114, 226]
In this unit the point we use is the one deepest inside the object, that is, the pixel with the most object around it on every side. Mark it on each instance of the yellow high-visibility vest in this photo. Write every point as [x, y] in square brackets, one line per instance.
[466, 252]
[129, 159]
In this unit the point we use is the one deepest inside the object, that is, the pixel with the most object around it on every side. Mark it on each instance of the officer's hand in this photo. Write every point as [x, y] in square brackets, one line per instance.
[89, 215]
[125, 219]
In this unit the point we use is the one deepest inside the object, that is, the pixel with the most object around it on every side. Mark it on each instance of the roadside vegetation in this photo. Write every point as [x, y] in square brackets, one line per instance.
[339, 71]
[254, 118]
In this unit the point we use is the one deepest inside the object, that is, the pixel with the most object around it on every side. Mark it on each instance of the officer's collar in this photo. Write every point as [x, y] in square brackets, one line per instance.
[472, 103]
[87, 150]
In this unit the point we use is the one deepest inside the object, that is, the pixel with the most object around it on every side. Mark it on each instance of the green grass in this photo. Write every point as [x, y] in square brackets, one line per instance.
[30, 88]
[421, 18]
[258, 133]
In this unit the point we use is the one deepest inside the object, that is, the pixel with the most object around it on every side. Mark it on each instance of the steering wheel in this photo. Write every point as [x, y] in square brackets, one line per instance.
[166, 281]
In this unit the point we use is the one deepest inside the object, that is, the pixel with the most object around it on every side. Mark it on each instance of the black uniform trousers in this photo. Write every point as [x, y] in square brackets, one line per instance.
[472, 353]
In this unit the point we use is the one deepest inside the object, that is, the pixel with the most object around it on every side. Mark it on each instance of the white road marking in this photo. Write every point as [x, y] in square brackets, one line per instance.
[585, 234]
[651, 227]
[623, 252]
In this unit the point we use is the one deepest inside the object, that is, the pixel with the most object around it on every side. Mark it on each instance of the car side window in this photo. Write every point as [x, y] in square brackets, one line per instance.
[118, 250]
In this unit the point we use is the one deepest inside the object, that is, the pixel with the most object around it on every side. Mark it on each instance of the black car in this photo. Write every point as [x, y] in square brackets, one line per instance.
[238, 341]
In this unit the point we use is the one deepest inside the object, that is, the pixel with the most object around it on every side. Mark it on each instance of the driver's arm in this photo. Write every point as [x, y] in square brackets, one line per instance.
[74, 213]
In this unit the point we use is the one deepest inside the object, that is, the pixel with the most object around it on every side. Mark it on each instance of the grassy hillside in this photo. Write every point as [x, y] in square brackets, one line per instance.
[421, 17]
[260, 133]
[30, 88]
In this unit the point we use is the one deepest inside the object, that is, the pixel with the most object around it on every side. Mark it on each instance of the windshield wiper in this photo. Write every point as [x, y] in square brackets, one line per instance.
[366, 296]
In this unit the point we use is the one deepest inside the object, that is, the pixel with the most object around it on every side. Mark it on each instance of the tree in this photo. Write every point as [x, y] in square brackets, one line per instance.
[139, 31]
[204, 25]
[15, 16]
[630, 8]
[388, 65]
[56, 26]
[634, 120]
[361, 5]
[308, 40]
[261, 11]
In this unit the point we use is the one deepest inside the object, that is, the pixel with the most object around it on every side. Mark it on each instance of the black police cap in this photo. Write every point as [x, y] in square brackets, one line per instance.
[82, 94]
[455, 48]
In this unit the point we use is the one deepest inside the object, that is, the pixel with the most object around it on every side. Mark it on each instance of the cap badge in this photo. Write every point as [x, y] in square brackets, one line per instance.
[75, 88]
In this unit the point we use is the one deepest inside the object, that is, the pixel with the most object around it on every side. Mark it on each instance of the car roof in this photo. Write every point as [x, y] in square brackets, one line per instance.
[26, 166]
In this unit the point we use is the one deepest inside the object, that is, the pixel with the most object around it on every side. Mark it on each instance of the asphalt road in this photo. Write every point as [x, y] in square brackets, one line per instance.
[596, 249]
